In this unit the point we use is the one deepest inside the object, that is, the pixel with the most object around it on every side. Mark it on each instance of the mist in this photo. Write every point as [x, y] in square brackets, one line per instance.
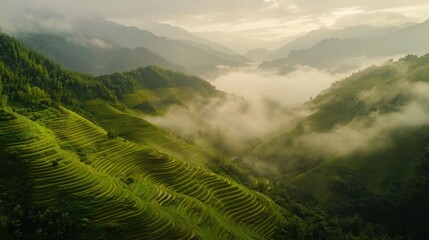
[20, 16]
[366, 136]
[291, 90]
[261, 105]
[374, 132]
[258, 104]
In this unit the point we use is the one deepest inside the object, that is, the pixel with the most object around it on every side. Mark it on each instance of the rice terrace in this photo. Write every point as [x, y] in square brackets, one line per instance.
[274, 119]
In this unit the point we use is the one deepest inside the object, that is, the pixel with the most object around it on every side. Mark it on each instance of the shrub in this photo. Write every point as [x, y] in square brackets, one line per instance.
[112, 134]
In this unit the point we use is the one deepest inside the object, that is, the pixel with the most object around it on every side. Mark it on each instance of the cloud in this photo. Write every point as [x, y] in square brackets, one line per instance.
[289, 90]
[259, 104]
[372, 133]
[229, 124]
[25, 16]
[376, 18]
[267, 21]
[89, 41]
[386, 108]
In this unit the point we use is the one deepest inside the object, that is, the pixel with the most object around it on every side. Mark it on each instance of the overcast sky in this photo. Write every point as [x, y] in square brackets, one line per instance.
[262, 21]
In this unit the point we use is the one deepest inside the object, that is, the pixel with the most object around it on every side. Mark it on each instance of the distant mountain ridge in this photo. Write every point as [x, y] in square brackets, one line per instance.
[176, 51]
[98, 46]
[93, 59]
[314, 37]
[258, 54]
[178, 33]
[331, 52]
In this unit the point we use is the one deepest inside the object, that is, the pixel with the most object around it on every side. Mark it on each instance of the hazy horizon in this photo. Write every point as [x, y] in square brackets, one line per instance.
[240, 25]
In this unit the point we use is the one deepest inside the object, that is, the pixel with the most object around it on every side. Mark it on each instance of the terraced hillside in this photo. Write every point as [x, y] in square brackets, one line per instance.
[135, 187]
[64, 177]
[136, 129]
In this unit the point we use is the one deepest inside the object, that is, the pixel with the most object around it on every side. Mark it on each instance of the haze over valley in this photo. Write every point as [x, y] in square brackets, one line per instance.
[256, 119]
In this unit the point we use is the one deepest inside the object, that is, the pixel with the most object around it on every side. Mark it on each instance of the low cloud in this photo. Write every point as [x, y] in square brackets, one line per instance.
[289, 90]
[229, 124]
[89, 42]
[260, 103]
[22, 16]
[394, 106]
[373, 132]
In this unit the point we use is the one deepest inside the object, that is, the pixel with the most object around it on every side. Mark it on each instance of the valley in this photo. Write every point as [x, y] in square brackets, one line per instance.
[115, 127]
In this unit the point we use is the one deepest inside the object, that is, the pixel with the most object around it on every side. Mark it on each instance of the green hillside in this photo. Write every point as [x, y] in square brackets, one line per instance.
[359, 102]
[78, 160]
[64, 177]
[154, 89]
[363, 149]
[78, 53]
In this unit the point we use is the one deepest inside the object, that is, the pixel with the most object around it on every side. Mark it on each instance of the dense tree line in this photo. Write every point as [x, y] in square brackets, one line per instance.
[151, 77]
[401, 208]
[28, 78]
[399, 211]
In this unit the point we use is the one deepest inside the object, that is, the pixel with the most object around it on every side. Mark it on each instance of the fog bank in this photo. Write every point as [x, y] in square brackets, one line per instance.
[289, 90]
[258, 104]
[374, 132]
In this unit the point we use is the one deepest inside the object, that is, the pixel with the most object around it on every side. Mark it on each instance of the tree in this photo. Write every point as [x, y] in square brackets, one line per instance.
[112, 134]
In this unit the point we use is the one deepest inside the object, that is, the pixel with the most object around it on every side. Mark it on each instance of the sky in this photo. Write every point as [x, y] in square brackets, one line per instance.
[251, 23]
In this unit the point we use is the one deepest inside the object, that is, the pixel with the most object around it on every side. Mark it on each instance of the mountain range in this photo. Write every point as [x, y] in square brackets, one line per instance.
[314, 37]
[106, 47]
[333, 53]
[173, 32]
[91, 55]
[80, 160]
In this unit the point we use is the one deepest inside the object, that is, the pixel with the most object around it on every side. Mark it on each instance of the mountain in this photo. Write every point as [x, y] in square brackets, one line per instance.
[314, 37]
[173, 32]
[332, 53]
[363, 146]
[75, 163]
[78, 161]
[258, 54]
[239, 41]
[196, 59]
[158, 89]
[91, 55]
